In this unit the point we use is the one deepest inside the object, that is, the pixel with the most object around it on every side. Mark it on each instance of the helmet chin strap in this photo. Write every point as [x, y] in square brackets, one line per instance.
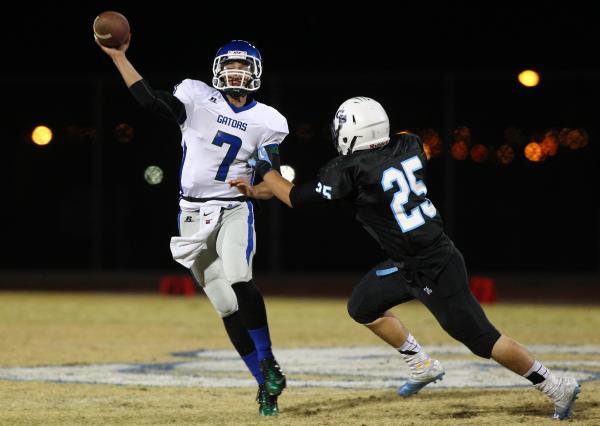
[351, 148]
[236, 93]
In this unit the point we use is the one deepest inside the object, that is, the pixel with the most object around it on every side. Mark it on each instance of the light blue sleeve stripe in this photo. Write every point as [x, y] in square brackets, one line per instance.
[384, 272]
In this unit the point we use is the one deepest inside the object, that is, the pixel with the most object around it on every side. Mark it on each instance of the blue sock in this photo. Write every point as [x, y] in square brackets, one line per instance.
[262, 342]
[251, 361]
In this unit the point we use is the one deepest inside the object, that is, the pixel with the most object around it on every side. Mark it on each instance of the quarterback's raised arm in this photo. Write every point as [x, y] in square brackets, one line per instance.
[117, 54]
[157, 101]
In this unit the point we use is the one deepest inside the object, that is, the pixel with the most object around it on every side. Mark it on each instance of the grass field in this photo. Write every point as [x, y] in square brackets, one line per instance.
[42, 329]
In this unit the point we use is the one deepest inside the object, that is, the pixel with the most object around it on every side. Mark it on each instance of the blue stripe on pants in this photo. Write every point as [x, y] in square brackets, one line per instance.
[250, 246]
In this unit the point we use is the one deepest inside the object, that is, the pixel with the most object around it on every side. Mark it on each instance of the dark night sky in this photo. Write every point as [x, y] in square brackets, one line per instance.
[50, 60]
[455, 34]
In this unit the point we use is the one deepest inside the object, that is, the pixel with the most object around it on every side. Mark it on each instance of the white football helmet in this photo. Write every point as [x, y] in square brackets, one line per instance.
[360, 123]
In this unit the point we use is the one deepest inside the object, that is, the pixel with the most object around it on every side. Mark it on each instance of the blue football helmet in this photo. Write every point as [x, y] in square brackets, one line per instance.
[237, 82]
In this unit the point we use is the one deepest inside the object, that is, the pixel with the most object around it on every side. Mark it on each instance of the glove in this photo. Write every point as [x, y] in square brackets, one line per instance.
[262, 163]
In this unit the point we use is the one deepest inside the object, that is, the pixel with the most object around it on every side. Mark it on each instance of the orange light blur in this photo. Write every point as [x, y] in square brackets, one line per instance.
[479, 153]
[124, 132]
[533, 152]
[462, 134]
[432, 140]
[505, 154]
[460, 150]
[573, 138]
[549, 145]
[427, 150]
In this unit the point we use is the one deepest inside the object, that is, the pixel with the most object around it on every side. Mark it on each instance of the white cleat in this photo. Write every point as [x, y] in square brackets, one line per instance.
[422, 373]
[563, 392]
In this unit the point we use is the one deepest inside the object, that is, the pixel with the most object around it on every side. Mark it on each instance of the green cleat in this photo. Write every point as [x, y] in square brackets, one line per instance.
[274, 378]
[267, 404]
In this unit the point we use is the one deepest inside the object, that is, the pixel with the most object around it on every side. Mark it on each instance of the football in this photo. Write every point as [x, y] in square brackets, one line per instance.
[111, 28]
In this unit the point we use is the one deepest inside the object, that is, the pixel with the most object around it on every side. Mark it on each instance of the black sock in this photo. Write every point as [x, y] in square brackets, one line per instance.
[251, 305]
[238, 334]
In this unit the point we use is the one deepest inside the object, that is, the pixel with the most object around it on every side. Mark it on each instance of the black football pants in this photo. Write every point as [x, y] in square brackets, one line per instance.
[447, 297]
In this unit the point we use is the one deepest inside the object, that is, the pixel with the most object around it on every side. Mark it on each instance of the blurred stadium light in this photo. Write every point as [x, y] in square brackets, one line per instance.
[533, 152]
[288, 172]
[41, 135]
[153, 175]
[529, 78]
[123, 132]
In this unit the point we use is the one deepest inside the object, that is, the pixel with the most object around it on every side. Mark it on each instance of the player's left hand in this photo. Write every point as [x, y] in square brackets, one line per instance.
[243, 186]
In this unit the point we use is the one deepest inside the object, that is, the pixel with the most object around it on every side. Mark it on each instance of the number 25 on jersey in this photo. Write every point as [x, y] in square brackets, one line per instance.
[407, 183]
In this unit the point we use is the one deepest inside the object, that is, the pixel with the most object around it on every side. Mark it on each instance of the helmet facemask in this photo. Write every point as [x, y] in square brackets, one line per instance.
[237, 80]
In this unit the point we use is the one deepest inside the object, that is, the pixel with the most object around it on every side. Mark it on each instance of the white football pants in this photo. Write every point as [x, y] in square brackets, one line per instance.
[228, 257]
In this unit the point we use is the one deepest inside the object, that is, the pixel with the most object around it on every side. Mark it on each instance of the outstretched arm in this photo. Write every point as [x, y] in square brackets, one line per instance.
[259, 191]
[284, 190]
[156, 101]
[280, 187]
[275, 185]
[128, 72]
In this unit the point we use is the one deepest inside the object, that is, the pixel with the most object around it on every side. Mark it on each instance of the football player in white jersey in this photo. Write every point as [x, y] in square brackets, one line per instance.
[222, 127]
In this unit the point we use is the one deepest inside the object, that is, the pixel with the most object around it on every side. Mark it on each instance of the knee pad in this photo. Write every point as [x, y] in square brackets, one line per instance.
[237, 271]
[222, 297]
[482, 345]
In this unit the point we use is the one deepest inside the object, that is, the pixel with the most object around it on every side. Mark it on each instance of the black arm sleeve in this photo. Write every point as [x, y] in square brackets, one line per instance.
[306, 193]
[273, 153]
[158, 101]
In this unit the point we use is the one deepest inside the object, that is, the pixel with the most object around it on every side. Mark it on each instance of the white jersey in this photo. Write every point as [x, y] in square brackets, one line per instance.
[218, 139]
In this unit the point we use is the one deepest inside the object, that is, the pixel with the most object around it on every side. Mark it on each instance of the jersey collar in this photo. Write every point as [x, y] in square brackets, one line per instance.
[235, 109]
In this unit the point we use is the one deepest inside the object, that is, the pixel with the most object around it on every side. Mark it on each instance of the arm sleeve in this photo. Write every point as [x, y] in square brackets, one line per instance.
[273, 153]
[158, 101]
[306, 193]
[335, 182]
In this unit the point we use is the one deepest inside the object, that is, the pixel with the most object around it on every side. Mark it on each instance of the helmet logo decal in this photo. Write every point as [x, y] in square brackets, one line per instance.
[360, 123]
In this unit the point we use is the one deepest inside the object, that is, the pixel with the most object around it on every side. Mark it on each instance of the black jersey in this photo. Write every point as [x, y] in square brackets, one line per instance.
[387, 188]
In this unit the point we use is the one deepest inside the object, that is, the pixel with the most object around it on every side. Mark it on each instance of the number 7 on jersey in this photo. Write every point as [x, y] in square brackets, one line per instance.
[235, 144]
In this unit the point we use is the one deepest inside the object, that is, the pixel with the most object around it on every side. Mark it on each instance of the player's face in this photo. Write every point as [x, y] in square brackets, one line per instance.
[239, 79]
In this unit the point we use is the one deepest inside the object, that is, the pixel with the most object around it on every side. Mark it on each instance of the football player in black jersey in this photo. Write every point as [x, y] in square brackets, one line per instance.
[384, 180]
